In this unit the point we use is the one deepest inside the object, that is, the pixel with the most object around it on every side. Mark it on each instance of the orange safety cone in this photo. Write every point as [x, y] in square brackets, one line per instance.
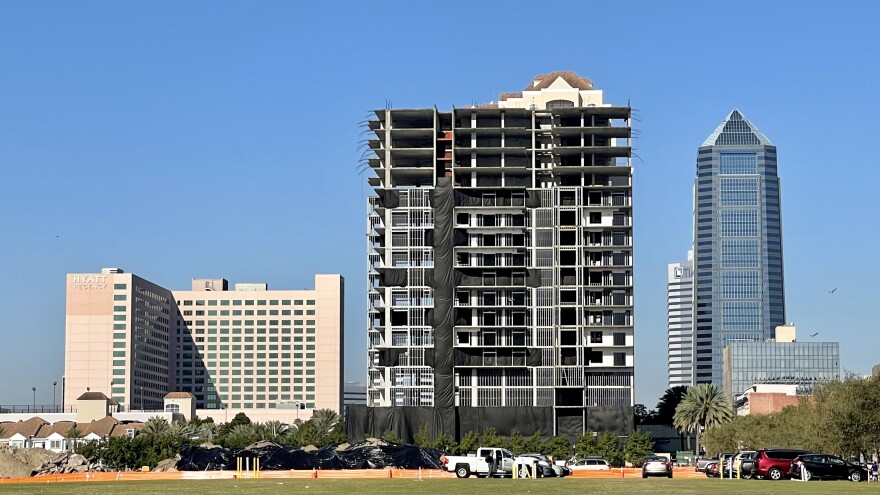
[315, 473]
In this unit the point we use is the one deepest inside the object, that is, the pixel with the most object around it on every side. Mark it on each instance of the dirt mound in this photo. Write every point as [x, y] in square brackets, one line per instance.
[22, 462]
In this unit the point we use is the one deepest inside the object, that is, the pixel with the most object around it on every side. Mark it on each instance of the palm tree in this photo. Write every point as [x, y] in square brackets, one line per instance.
[273, 430]
[156, 427]
[325, 420]
[73, 436]
[703, 406]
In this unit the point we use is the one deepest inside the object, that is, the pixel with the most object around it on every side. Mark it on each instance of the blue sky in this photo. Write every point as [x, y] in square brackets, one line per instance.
[219, 139]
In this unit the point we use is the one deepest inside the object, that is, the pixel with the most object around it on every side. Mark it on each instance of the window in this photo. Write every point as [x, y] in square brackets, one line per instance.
[595, 337]
[619, 338]
[619, 359]
[739, 163]
[172, 408]
[119, 286]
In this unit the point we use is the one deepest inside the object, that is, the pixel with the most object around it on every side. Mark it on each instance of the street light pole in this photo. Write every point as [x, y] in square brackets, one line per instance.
[54, 397]
[35, 398]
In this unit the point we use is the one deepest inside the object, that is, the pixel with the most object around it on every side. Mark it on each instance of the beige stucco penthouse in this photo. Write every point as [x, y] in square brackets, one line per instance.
[248, 348]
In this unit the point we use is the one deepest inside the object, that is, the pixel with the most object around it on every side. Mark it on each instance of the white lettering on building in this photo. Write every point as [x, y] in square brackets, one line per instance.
[89, 282]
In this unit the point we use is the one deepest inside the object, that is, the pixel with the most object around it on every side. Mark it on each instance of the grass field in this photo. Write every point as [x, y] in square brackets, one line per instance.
[471, 486]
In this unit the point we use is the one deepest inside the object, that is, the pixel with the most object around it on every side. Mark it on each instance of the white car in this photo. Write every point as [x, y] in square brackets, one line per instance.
[596, 464]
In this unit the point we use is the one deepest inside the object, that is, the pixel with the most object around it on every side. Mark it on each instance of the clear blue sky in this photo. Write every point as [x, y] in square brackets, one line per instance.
[219, 139]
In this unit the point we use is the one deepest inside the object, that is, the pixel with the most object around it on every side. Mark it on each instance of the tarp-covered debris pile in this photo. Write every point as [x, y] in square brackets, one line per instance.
[272, 456]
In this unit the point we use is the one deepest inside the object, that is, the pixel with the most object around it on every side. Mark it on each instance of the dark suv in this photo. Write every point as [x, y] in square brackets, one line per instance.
[775, 464]
[821, 466]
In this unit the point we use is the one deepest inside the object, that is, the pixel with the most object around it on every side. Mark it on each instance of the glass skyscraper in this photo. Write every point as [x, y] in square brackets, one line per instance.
[738, 269]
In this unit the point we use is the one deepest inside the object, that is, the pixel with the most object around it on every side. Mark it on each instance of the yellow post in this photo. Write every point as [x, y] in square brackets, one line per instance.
[739, 466]
[257, 467]
[238, 467]
[516, 468]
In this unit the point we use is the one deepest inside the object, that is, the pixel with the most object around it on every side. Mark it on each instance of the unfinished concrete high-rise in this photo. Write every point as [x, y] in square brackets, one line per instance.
[500, 260]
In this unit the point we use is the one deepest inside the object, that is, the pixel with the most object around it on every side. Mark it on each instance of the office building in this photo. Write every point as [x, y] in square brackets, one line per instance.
[249, 348]
[679, 319]
[500, 253]
[738, 267]
[783, 361]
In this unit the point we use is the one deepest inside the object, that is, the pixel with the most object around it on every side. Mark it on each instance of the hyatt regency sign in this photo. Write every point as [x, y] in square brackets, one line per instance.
[89, 282]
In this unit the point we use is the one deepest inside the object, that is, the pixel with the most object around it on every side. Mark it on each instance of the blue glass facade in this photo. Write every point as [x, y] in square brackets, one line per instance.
[794, 363]
[738, 272]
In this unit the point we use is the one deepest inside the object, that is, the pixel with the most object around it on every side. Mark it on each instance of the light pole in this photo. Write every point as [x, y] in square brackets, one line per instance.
[35, 398]
[296, 404]
[54, 397]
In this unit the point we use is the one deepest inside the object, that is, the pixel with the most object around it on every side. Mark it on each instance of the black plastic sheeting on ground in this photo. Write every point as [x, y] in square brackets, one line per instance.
[274, 457]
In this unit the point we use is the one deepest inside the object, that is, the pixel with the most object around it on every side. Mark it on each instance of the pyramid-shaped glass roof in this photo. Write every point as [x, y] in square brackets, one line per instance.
[736, 130]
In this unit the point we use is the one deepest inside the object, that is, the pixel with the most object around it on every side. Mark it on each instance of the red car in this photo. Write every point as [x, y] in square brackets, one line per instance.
[774, 464]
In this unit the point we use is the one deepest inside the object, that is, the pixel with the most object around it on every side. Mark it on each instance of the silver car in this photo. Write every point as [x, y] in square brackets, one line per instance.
[656, 465]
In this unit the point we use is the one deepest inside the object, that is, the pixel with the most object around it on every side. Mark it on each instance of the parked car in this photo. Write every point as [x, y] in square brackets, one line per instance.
[712, 470]
[774, 464]
[746, 458]
[656, 465]
[700, 465]
[824, 466]
[545, 467]
[590, 464]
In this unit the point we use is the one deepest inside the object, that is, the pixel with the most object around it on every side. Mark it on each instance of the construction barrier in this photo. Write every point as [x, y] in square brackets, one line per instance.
[244, 472]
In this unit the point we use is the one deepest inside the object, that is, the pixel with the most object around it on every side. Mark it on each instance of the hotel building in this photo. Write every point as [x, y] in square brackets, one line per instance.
[249, 348]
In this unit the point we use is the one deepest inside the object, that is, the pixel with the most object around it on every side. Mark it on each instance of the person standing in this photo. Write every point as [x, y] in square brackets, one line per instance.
[490, 462]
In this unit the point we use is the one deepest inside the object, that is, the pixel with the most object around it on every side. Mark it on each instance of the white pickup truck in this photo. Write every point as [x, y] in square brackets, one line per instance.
[465, 465]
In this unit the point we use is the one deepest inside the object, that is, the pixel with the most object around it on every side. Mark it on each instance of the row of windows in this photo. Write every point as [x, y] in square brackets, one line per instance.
[739, 163]
[251, 405]
[223, 323]
[261, 332]
[740, 284]
[741, 315]
[739, 253]
[739, 223]
[247, 302]
[247, 312]
[739, 192]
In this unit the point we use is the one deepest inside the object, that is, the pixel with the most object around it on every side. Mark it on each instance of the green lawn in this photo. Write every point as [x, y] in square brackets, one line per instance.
[471, 486]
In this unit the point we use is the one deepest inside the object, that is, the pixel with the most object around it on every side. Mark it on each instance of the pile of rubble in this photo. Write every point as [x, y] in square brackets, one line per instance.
[64, 463]
[21, 462]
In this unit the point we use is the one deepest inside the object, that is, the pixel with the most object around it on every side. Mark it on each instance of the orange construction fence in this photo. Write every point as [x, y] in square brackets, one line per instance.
[336, 474]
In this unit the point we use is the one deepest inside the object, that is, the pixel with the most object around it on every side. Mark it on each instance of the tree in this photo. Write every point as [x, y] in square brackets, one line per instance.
[155, 427]
[325, 420]
[643, 416]
[73, 436]
[391, 437]
[586, 445]
[516, 443]
[559, 447]
[608, 447]
[421, 437]
[638, 446]
[668, 404]
[703, 406]
[490, 438]
[445, 443]
[273, 430]
[469, 443]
